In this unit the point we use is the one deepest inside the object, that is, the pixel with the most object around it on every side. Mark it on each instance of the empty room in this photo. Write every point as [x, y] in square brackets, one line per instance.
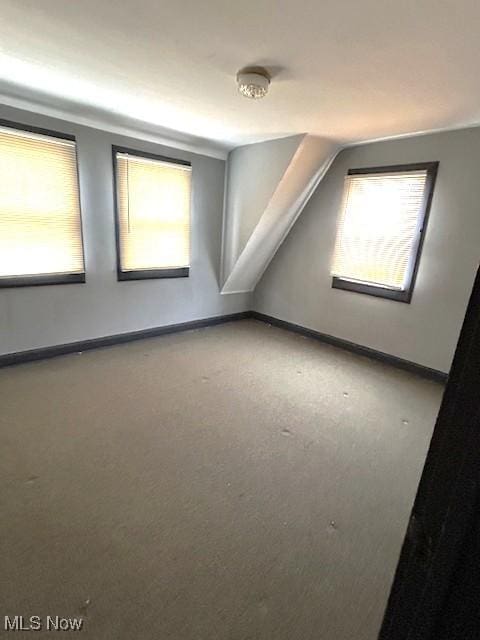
[238, 244]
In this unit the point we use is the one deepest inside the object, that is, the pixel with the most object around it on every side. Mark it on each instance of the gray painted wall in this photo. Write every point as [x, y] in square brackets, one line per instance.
[297, 285]
[254, 172]
[43, 316]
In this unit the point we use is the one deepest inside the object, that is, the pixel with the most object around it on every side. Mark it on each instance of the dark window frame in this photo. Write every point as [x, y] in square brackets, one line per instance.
[141, 274]
[47, 279]
[404, 295]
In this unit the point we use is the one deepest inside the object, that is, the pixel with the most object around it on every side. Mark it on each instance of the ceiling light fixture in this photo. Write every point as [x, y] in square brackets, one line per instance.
[253, 83]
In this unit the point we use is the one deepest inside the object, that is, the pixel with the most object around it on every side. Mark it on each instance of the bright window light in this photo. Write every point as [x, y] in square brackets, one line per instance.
[153, 216]
[40, 226]
[380, 227]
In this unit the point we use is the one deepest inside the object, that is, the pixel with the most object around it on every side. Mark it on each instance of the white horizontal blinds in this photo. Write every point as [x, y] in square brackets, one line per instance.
[153, 213]
[40, 228]
[379, 227]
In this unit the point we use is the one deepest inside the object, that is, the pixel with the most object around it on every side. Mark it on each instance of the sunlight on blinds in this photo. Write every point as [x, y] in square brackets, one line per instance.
[40, 229]
[153, 213]
[379, 227]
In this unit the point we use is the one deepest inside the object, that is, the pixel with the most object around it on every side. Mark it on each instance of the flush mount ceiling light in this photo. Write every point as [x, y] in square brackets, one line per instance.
[253, 83]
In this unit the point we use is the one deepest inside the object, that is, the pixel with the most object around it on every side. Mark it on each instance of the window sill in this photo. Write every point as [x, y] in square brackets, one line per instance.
[153, 274]
[42, 280]
[372, 290]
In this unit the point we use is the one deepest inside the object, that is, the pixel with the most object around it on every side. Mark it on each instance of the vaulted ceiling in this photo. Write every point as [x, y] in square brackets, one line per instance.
[347, 70]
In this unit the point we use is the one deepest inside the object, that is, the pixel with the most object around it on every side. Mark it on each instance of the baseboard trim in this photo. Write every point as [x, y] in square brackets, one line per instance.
[42, 353]
[400, 363]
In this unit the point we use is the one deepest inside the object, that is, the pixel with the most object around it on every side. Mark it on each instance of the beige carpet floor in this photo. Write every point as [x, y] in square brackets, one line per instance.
[232, 483]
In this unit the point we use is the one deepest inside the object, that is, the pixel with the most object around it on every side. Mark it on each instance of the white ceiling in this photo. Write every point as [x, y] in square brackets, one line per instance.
[349, 70]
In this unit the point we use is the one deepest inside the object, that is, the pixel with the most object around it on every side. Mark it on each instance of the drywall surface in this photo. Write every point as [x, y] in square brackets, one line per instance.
[253, 174]
[33, 317]
[297, 284]
[309, 164]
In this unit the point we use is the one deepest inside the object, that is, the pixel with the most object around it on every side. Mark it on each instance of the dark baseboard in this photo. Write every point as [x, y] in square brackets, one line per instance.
[108, 341]
[400, 363]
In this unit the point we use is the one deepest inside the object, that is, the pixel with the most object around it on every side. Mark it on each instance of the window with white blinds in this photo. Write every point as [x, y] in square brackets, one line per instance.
[379, 234]
[40, 225]
[153, 216]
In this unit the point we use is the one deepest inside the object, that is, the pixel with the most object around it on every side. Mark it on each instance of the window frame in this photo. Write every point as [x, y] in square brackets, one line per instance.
[45, 279]
[142, 274]
[383, 292]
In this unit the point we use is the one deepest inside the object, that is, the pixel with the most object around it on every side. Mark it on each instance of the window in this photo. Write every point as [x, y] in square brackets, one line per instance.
[381, 227]
[40, 225]
[153, 215]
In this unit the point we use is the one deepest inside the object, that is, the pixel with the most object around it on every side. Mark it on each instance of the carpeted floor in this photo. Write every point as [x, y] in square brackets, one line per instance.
[232, 483]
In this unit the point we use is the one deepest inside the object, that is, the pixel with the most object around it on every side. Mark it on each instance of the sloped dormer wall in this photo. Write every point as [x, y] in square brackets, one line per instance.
[268, 184]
